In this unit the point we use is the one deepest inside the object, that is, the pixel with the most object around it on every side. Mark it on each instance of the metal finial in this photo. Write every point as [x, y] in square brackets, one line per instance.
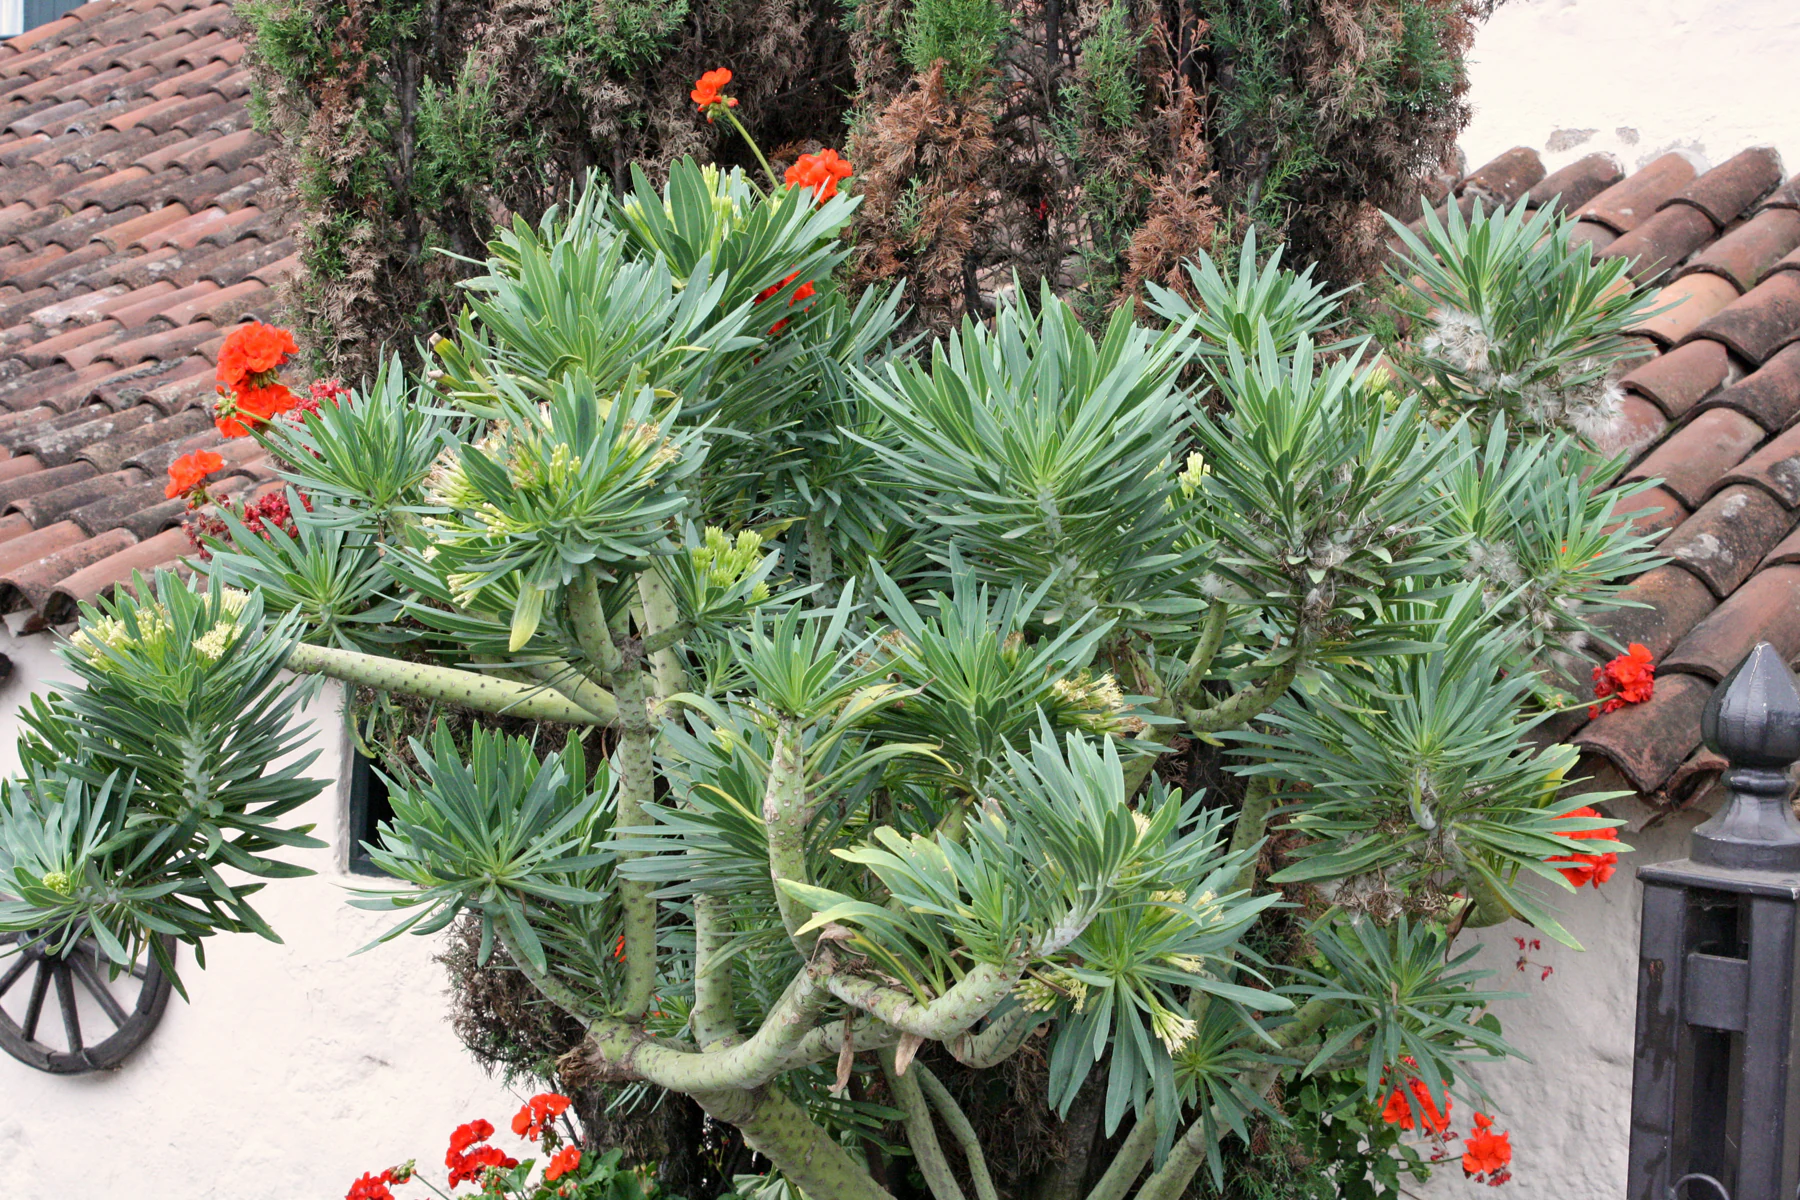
[1753, 719]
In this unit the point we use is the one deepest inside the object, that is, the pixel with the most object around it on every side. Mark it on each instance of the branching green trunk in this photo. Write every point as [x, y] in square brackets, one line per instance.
[1243, 706]
[465, 689]
[806, 1154]
[921, 1135]
[785, 819]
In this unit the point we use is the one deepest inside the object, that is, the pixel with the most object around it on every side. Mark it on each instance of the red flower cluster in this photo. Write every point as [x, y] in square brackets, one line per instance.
[1486, 1153]
[1588, 869]
[373, 1187]
[819, 172]
[248, 387]
[1399, 1112]
[539, 1111]
[707, 88]
[259, 516]
[190, 471]
[468, 1159]
[1627, 679]
[805, 291]
[561, 1163]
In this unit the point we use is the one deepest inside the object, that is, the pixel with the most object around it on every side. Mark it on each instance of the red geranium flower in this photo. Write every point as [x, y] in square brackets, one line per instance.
[539, 1111]
[1399, 1112]
[468, 1166]
[707, 88]
[805, 291]
[1594, 869]
[251, 405]
[819, 172]
[561, 1163]
[1627, 679]
[372, 1187]
[190, 471]
[1487, 1153]
[253, 349]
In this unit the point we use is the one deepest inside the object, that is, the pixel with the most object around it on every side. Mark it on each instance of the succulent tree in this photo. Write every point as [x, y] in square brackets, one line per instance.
[877, 649]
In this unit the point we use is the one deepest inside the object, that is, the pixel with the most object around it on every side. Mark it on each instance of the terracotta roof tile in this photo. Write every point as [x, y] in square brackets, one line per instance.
[56, 447]
[1663, 241]
[1687, 304]
[1506, 179]
[150, 309]
[1625, 205]
[1785, 551]
[1762, 322]
[1775, 468]
[1770, 395]
[28, 586]
[132, 229]
[1723, 542]
[1639, 425]
[1652, 511]
[1647, 741]
[1766, 609]
[86, 585]
[47, 507]
[1670, 601]
[120, 504]
[1746, 253]
[29, 547]
[1695, 456]
[1680, 379]
[1785, 196]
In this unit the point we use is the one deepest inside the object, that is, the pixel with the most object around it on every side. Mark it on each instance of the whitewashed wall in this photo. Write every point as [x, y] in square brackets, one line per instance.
[294, 1069]
[1637, 78]
[1569, 1108]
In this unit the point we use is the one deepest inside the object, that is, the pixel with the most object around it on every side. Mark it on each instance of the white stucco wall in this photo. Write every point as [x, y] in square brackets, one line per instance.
[1569, 1108]
[1637, 78]
[295, 1067]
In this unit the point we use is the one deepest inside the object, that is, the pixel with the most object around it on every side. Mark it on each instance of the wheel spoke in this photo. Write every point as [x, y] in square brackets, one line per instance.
[96, 986]
[12, 975]
[34, 1008]
[65, 996]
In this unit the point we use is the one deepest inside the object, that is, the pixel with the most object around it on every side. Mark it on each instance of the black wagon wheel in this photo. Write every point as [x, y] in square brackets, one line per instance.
[102, 1020]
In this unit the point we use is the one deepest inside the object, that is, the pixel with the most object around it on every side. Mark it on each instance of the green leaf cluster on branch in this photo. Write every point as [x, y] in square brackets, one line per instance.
[878, 646]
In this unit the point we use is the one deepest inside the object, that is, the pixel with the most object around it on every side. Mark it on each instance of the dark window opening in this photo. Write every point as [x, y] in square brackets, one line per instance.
[369, 807]
[17, 16]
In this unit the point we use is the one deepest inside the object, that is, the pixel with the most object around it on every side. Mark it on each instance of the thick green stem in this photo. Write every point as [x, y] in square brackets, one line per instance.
[662, 620]
[1129, 1162]
[1212, 635]
[713, 1018]
[1488, 908]
[921, 1135]
[806, 1153]
[1171, 1179]
[818, 553]
[577, 687]
[1251, 826]
[957, 1122]
[587, 616]
[634, 766]
[785, 819]
[1243, 705]
[998, 1042]
[465, 689]
[970, 999]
